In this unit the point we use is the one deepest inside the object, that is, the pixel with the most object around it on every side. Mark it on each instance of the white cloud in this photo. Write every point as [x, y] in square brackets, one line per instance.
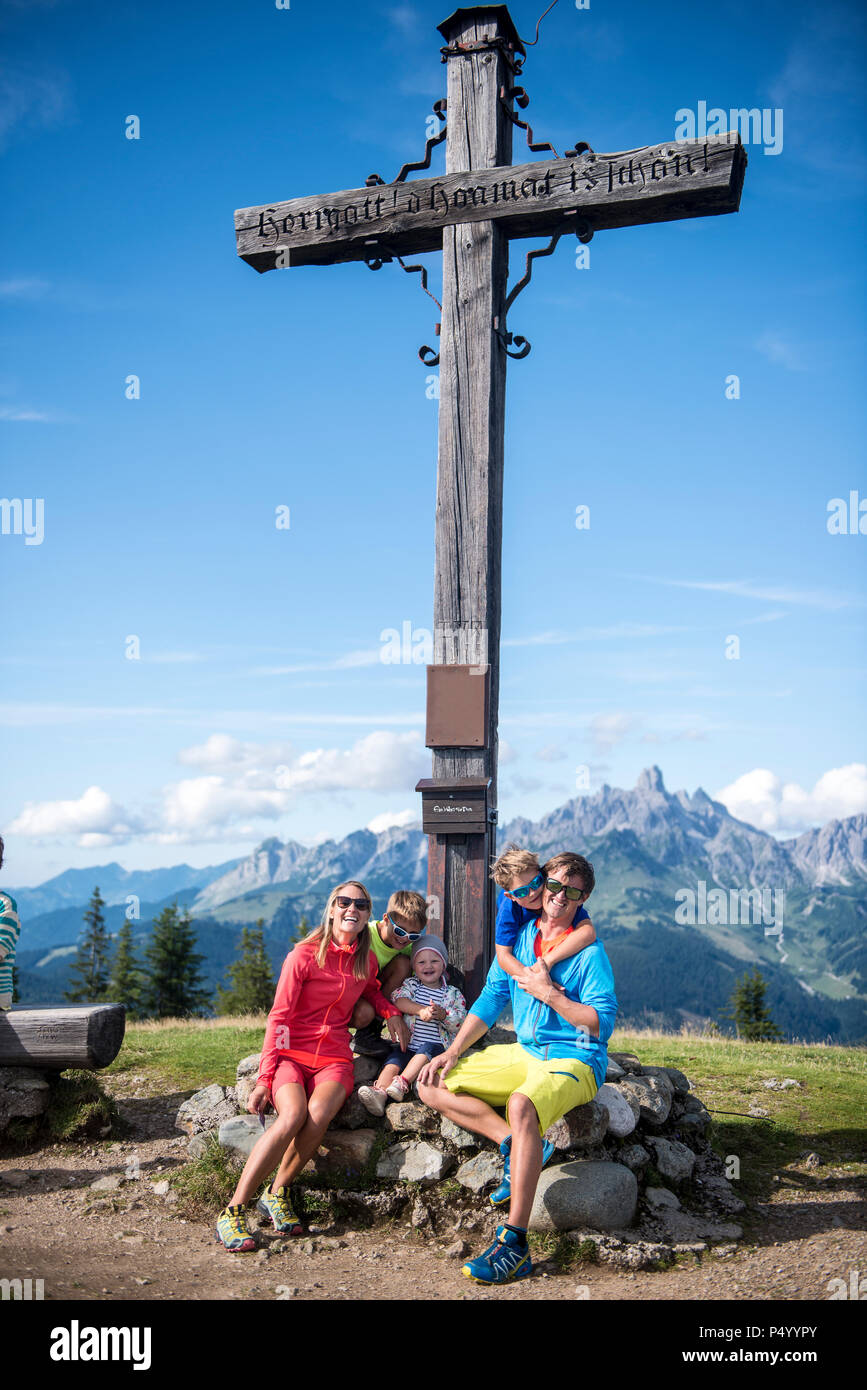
[762, 799]
[394, 818]
[743, 588]
[551, 753]
[25, 287]
[381, 761]
[607, 730]
[32, 100]
[780, 352]
[93, 813]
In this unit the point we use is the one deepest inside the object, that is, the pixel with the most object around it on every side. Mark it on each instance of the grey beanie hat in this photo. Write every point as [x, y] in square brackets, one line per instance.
[430, 943]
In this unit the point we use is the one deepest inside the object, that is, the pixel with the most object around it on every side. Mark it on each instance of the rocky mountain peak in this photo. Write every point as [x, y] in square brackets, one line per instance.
[650, 780]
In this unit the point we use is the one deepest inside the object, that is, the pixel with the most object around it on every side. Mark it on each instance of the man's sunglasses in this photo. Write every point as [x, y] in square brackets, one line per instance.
[573, 894]
[353, 902]
[532, 887]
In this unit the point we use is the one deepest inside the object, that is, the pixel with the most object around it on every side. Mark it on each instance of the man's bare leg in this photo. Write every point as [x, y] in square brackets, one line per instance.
[525, 1158]
[466, 1110]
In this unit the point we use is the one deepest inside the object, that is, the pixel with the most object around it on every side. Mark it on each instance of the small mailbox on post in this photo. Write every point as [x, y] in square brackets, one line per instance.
[457, 807]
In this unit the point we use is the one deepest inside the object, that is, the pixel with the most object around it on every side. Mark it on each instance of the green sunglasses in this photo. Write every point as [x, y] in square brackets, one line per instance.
[573, 894]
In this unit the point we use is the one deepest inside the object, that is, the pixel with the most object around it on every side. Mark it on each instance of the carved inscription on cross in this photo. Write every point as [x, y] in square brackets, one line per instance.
[472, 213]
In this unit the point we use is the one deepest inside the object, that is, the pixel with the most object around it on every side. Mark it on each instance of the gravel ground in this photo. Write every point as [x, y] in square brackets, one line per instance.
[127, 1241]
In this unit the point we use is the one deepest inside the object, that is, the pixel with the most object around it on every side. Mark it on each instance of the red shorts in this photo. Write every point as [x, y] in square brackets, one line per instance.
[289, 1071]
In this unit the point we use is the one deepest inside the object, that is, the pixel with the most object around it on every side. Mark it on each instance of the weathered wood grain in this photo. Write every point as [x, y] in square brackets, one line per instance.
[57, 1037]
[469, 510]
[657, 183]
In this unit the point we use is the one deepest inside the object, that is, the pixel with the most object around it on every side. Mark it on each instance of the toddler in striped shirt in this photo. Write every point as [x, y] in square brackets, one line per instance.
[437, 1010]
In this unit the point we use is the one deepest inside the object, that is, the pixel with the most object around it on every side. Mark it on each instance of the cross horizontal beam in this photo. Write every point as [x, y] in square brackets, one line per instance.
[657, 183]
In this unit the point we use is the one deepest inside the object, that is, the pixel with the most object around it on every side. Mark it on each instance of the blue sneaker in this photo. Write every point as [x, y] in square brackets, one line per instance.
[507, 1259]
[501, 1195]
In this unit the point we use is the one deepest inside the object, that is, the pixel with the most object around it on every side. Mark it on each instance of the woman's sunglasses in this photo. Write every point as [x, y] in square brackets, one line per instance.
[532, 887]
[361, 903]
[573, 894]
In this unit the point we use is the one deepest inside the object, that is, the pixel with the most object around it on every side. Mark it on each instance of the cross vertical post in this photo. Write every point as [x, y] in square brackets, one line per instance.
[467, 583]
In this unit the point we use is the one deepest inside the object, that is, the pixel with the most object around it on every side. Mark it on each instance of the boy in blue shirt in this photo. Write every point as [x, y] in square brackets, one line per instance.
[521, 881]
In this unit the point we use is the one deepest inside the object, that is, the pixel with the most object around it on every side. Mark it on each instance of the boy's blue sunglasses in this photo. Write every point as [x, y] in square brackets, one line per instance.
[532, 887]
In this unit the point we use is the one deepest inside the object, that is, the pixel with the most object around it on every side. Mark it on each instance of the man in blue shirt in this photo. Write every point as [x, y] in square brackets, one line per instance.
[563, 1020]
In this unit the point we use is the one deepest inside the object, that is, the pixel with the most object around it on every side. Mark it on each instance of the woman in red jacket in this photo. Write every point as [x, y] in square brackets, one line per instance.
[306, 1068]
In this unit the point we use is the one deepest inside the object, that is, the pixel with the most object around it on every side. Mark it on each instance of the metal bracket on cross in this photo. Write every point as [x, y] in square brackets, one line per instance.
[378, 255]
[439, 110]
[518, 95]
[581, 228]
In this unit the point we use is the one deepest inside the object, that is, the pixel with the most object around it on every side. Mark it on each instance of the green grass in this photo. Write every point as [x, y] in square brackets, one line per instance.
[204, 1185]
[190, 1053]
[823, 1115]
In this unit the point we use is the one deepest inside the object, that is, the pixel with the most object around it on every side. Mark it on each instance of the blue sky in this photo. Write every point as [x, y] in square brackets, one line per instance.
[259, 703]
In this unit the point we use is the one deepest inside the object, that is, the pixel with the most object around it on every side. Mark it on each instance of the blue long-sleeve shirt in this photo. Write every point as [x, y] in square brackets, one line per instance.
[587, 978]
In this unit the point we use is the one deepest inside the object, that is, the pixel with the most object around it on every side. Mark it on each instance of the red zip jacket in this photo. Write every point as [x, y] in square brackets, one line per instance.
[313, 1006]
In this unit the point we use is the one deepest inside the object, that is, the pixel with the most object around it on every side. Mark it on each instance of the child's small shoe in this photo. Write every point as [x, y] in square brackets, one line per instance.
[373, 1100]
[399, 1089]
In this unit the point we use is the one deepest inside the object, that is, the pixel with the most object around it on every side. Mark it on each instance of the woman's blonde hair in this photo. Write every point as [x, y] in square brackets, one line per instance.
[324, 933]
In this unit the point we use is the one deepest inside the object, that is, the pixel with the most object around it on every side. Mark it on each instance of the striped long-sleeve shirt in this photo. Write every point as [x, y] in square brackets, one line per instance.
[10, 928]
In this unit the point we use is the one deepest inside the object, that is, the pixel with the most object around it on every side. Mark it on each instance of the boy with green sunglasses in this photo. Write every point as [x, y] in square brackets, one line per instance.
[519, 877]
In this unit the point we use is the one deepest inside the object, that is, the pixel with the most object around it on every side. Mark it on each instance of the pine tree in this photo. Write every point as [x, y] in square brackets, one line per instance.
[91, 964]
[250, 978]
[751, 1018]
[174, 988]
[127, 980]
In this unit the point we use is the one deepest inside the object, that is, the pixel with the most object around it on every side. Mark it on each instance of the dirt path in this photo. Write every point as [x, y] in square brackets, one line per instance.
[127, 1241]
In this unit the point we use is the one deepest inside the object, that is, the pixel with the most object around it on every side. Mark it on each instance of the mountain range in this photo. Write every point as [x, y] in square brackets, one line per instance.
[655, 854]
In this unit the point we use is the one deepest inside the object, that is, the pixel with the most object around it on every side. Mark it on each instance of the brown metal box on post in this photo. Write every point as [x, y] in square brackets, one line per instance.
[459, 807]
[457, 706]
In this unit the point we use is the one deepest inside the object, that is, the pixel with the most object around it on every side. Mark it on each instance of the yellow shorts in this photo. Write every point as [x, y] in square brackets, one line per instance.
[497, 1072]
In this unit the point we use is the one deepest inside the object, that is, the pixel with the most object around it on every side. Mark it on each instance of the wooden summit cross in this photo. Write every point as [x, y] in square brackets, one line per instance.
[471, 214]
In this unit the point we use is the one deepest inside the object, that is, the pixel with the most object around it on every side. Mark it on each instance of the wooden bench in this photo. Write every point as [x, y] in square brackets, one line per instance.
[62, 1036]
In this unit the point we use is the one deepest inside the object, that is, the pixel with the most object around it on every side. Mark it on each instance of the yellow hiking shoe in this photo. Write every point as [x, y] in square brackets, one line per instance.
[278, 1206]
[233, 1231]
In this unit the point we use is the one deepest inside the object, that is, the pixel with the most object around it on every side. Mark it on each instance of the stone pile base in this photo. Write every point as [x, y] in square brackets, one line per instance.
[632, 1171]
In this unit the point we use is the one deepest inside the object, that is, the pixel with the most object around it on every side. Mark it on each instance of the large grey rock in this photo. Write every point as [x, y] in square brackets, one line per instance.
[717, 1187]
[405, 1115]
[675, 1078]
[246, 1073]
[600, 1195]
[628, 1061]
[654, 1096]
[695, 1118]
[657, 1197]
[613, 1072]
[365, 1069]
[622, 1118]
[461, 1138]
[635, 1157]
[238, 1136]
[415, 1161]
[351, 1115]
[480, 1172]
[674, 1161]
[343, 1151]
[24, 1094]
[680, 1226]
[582, 1128]
[206, 1110]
